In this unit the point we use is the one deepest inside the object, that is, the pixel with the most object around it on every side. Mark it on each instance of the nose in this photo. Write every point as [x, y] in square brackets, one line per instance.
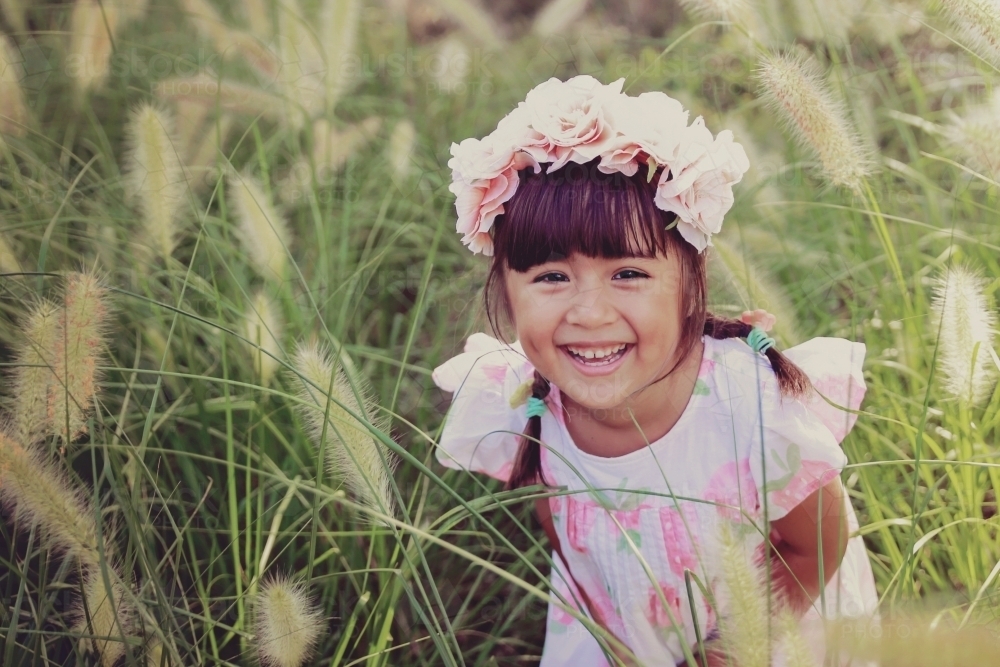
[591, 308]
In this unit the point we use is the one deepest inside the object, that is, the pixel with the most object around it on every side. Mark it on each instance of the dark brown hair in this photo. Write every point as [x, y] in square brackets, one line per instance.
[580, 209]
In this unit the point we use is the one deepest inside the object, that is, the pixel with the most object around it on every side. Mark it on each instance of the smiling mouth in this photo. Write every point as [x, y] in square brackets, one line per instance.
[594, 360]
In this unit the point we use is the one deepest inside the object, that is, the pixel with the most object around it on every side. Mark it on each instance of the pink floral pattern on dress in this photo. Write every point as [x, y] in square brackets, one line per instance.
[706, 368]
[495, 372]
[581, 515]
[728, 484]
[656, 613]
[605, 608]
[680, 550]
[810, 476]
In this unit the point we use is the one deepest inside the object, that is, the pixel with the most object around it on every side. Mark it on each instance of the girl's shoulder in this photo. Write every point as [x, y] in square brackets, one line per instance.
[487, 412]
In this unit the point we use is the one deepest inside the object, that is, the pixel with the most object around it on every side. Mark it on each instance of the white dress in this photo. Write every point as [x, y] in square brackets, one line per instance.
[631, 525]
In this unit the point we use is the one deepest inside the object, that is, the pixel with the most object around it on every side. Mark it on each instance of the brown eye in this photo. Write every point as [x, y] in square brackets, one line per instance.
[557, 277]
[631, 274]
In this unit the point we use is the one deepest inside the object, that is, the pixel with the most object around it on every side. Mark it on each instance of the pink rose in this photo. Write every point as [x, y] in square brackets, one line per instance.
[570, 117]
[652, 123]
[484, 176]
[698, 185]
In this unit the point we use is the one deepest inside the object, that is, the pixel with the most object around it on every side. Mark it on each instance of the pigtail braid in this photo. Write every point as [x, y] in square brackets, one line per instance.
[527, 468]
[792, 381]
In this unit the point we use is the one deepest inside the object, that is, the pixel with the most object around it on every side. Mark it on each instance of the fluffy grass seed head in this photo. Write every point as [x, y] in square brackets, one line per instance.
[303, 70]
[832, 20]
[261, 228]
[363, 463]
[155, 178]
[792, 85]
[40, 494]
[456, 63]
[333, 147]
[80, 336]
[14, 114]
[288, 623]
[557, 16]
[401, 143]
[975, 136]
[978, 22]
[33, 374]
[93, 25]
[743, 625]
[263, 327]
[110, 616]
[959, 310]
[338, 21]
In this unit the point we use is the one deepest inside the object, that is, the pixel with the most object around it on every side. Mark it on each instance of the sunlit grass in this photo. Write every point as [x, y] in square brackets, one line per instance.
[202, 473]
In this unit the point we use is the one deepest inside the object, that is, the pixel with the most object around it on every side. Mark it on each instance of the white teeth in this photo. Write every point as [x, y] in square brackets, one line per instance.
[597, 354]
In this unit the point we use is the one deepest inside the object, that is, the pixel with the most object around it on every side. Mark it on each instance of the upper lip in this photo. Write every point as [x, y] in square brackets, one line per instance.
[597, 345]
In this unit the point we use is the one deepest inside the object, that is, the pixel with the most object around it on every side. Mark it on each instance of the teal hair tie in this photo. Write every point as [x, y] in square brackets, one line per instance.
[759, 341]
[536, 407]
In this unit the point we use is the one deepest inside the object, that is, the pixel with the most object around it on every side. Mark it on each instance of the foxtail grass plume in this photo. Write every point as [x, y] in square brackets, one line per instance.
[452, 65]
[155, 178]
[352, 454]
[229, 41]
[793, 86]
[826, 20]
[261, 228]
[333, 147]
[975, 136]
[288, 623]
[14, 114]
[477, 23]
[8, 258]
[743, 629]
[978, 22]
[14, 11]
[258, 16]
[796, 650]
[104, 619]
[34, 374]
[756, 289]
[401, 142]
[201, 164]
[303, 69]
[338, 21]
[263, 327]
[79, 338]
[727, 10]
[230, 96]
[959, 311]
[40, 494]
[93, 26]
[557, 15]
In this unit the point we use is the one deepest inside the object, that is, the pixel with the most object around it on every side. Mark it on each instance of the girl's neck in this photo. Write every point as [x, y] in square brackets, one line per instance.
[611, 433]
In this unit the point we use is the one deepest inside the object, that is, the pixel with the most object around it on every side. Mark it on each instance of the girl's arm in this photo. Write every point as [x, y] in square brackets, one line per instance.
[796, 556]
[795, 562]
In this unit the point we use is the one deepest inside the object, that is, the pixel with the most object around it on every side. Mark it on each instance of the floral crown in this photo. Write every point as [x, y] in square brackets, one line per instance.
[582, 119]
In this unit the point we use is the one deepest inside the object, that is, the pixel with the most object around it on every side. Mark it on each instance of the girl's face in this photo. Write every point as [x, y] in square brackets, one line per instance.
[599, 329]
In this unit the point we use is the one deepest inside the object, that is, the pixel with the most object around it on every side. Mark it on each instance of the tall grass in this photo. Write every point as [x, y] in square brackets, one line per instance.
[226, 437]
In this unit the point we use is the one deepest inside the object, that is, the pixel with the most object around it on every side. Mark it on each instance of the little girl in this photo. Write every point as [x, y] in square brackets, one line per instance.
[655, 420]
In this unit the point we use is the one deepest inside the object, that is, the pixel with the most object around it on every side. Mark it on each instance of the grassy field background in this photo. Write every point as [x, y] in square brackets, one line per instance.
[312, 197]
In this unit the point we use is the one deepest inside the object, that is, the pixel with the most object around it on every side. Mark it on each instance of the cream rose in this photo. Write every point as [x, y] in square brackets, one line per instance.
[652, 123]
[698, 185]
[570, 117]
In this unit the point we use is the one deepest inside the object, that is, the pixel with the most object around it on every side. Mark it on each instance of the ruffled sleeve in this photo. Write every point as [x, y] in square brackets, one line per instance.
[797, 447]
[481, 430]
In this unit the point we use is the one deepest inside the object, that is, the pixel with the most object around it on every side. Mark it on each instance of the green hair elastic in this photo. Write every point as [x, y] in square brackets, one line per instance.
[759, 341]
[536, 407]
